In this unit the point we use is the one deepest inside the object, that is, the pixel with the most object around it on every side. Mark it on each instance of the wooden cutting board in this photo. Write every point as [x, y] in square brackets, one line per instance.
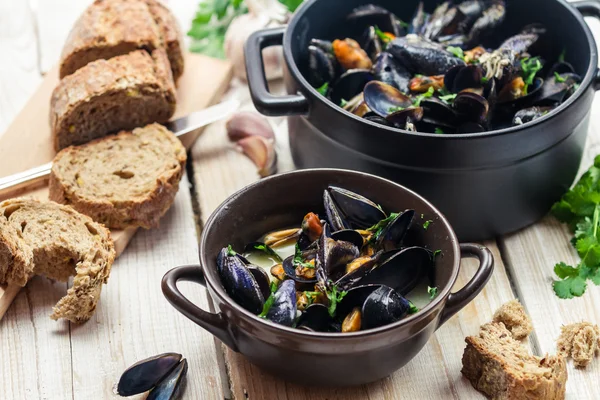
[27, 142]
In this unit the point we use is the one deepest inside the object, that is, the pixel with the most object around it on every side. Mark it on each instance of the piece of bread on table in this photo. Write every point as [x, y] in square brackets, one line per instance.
[580, 341]
[107, 96]
[49, 239]
[110, 28]
[501, 368]
[515, 319]
[123, 180]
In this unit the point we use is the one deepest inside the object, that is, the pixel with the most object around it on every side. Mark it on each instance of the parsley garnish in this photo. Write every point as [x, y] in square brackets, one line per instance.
[435, 253]
[392, 110]
[426, 224]
[412, 309]
[380, 226]
[323, 89]
[439, 131]
[385, 39]
[530, 67]
[447, 98]
[484, 80]
[269, 302]
[343, 103]
[311, 297]
[558, 77]
[419, 98]
[299, 260]
[258, 246]
[456, 51]
[580, 208]
[433, 291]
[230, 251]
[334, 296]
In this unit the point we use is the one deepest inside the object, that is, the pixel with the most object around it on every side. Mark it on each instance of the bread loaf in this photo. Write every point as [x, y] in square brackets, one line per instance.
[45, 238]
[501, 368]
[110, 28]
[123, 180]
[107, 96]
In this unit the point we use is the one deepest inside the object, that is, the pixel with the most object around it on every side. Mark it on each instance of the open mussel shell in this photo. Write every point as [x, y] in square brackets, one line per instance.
[351, 278]
[171, 387]
[372, 117]
[382, 307]
[283, 309]
[239, 283]
[350, 236]
[335, 217]
[529, 114]
[315, 318]
[331, 255]
[554, 91]
[438, 113]
[382, 98]
[534, 93]
[392, 236]
[262, 279]
[388, 70]
[400, 119]
[358, 211]
[349, 84]
[401, 270]
[462, 77]
[322, 66]
[290, 268]
[355, 297]
[370, 15]
[471, 107]
[146, 374]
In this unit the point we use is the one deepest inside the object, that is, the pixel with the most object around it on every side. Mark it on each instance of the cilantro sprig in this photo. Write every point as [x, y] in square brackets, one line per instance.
[559, 78]
[385, 38]
[335, 296]
[530, 66]
[269, 302]
[580, 208]
[323, 89]
[456, 51]
[427, 94]
[432, 291]
[379, 227]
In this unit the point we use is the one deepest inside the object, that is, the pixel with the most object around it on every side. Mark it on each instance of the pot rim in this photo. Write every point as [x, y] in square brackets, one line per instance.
[316, 96]
[218, 290]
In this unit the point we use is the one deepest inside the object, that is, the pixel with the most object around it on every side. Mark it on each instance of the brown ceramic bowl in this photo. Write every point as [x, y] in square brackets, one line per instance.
[314, 358]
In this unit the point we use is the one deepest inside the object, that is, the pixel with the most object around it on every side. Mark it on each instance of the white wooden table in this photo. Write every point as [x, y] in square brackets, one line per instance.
[41, 358]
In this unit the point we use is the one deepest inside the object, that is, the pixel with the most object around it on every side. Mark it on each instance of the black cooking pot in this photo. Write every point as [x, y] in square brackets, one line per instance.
[487, 184]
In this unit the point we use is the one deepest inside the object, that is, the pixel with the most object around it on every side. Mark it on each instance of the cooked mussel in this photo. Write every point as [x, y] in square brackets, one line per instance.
[172, 386]
[358, 211]
[423, 56]
[390, 71]
[322, 66]
[529, 114]
[384, 99]
[382, 307]
[349, 84]
[239, 282]
[283, 308]
[315, 318]
[146, 374]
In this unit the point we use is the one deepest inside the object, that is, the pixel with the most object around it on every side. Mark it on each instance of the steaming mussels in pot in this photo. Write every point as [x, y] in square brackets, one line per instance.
[353, 267]
[433, 74]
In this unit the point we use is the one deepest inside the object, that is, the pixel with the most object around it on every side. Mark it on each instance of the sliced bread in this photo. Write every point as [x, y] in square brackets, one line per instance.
[107, 96]
[123, 180]
[513, 316]
[501, 368]
[110, 28]
[49, 239]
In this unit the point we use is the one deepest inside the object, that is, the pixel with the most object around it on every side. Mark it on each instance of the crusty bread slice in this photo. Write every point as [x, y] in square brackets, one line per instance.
[107, 96]
[49, 239]
[110, 28]
[580, 341]
[513, 316]
[123, 180]
[501, 368]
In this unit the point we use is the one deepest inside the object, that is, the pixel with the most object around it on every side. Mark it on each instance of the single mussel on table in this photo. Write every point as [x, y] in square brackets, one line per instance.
[435, 74]
[351, 267]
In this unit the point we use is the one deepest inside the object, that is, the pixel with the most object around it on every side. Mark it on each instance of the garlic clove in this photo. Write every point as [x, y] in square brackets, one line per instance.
[246, 123]
[262, 152]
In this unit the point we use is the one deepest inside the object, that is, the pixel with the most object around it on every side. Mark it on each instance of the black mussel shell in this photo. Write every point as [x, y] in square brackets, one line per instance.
[533, 94]
[283, 309]
[350, 236]
[529, 114]
[471, 9]
[371, 43]
[520, 43]
[438, 113]
[352, 278]
[471, 107]
[401, 270]
[433, 28]
[331, 255]
[403, 118]
[383, 99]
[239, 282]
[463, 77]
[335, 216]
[470, 127]
[388, 70]
[370, 15]
[315, 318]
[392, 236]
[384, 306]
[146, 374]
[321, 66]
[360, 212]
[355, 297]
[372, 117]
[485, 25]
[262, 279]
[290, 269]
[349, 84]
[561, 67]
[171, 387]
[419, 20]
[324, 45]
[555, 91]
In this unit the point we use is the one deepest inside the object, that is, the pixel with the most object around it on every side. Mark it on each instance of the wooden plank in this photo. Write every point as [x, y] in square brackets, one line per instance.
[219, 170]
[134, 321]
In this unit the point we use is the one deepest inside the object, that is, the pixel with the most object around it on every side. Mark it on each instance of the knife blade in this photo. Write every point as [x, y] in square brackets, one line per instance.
[180, 126]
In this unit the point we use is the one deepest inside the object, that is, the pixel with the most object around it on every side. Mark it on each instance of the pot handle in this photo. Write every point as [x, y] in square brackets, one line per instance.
[264, 101]
[590, 8]
[214, 323]
[456, 301]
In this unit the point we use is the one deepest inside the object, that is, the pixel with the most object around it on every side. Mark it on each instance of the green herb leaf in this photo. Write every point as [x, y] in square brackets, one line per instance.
[335, 296]
[311, 296]
[230, 251]
[343, 103]
[291, 4]
[323, 89]
[385, 39]
[484, 80]
[448, 98]
[426, 224]
[439, 131]
[380, 226]
[530, 67]
[419, 98]
[436, 253]
[558, 77]
[392, 110]
[298, 260]
[403, 24]
[263, 248]
[433, 291]
[412, 308]
[456, 51]
[267, 306]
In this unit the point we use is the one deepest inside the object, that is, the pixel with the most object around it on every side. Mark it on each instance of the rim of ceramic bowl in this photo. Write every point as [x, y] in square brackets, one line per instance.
[591, 72]
[215, 283]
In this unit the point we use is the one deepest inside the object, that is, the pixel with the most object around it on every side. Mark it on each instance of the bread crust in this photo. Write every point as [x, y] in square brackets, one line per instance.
[147, 206]
[59, 242]
[109, 28]
[110, 95]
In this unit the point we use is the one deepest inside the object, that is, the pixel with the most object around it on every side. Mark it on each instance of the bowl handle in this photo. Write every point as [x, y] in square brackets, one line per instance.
[264, 101]
[214, 323]
[456, 301]
[590, 8]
